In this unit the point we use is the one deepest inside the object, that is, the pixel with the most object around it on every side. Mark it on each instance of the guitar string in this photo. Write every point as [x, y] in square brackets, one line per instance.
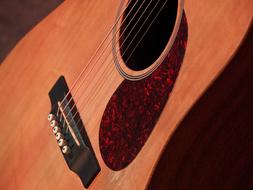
[132, 40]
[129, 45]
[128, 58]
[58, 110]
[83, 80]
[61, 112]
[108, 52]
[134, 48]
[91, 59]
[96, 52]
[107, 56]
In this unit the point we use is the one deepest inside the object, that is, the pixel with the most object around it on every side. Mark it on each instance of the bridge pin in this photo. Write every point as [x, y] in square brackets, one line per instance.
[62, 142]
[53, 123]
[50, 117]
[66, 150]
[56, 129]
[58, 136]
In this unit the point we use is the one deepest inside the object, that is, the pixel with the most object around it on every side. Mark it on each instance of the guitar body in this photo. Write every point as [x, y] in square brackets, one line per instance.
[62, 44]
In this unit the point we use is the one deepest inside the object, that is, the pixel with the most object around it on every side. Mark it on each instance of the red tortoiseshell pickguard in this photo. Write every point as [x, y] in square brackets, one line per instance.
[135, 107]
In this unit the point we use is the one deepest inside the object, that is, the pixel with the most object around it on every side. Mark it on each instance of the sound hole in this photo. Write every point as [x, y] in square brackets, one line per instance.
[145, 31]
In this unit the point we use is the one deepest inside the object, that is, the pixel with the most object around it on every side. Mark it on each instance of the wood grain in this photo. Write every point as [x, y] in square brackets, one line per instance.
[62, 45]
[19, 17]
[212, 146]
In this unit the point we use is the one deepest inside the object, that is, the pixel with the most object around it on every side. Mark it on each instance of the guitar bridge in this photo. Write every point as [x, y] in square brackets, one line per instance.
[70, 133]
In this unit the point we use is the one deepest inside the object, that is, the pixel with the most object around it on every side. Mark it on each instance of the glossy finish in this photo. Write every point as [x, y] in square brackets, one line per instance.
[211, 147]
[135, 107]
[62, 44]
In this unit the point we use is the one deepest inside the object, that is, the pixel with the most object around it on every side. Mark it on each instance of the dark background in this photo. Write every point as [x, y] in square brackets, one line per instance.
[17, 17]
[213, 146]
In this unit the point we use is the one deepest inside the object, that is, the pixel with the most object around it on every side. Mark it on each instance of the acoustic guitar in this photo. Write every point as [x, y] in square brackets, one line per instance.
[92, 95]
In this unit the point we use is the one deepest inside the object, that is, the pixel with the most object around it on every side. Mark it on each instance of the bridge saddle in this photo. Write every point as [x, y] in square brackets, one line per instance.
[70, 134]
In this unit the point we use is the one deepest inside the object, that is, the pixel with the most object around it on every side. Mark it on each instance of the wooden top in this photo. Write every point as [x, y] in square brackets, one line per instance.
[62, 45]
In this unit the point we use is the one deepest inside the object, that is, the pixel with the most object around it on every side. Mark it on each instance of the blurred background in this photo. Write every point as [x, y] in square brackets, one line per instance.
[17, 17]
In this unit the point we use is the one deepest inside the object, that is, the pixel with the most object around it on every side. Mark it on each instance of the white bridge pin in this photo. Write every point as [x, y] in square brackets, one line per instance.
[56, 129]
[58, 136]
[50, 117]
[62, 142]
[66, 150]
[53, 123]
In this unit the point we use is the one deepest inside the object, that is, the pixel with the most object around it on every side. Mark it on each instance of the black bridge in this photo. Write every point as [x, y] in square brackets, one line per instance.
[70, 134]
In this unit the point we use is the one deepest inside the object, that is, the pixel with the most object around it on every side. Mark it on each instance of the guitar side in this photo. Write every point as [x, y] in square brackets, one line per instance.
[62, 45]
